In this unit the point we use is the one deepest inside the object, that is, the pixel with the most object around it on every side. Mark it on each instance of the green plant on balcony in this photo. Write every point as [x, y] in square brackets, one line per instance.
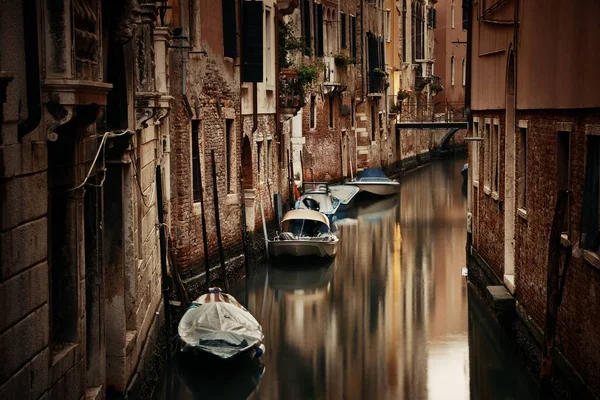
[379, 72]
[342, 60]
[396, 108]
[436, 87]
[403, 94]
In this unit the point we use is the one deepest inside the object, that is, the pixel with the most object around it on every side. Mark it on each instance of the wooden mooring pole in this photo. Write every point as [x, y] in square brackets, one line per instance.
[163, 256]
[244, 227]
[204, 235]
[218, 220]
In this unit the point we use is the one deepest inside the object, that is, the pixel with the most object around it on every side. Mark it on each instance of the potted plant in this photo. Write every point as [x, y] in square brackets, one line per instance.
[379, 72]
[342, 60]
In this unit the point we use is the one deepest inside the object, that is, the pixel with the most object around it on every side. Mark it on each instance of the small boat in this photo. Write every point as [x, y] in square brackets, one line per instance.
[317, 196]
[374, 181]
[216, 323]
[304, 233]
[346, 194]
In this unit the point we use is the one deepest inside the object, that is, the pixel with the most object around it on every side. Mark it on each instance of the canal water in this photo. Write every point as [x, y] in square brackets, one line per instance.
[390, 318]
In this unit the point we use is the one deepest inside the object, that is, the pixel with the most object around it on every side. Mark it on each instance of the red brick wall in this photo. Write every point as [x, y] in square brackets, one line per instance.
[487, 213]
[579, 316]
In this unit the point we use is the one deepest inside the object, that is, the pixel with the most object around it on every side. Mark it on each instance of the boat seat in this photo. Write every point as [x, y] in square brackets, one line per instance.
[286, 236]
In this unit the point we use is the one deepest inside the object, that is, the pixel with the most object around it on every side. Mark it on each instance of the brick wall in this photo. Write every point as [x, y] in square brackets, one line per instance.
[579, 320]
[488, 213]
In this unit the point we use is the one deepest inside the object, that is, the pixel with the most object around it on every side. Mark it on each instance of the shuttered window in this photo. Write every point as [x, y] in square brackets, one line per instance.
[353, 36]
[229, 29]
[252, 49]
[343, 30]
[319, 30]
[306, 26]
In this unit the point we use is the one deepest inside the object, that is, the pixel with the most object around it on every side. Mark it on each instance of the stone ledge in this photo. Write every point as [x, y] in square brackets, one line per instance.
[500, 298]
[521, 212]
[592, 258]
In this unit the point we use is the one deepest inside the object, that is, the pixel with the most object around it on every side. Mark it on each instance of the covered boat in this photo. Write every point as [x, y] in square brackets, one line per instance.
[345, 194]
[218, 324]
[374, 181]
[304, 233]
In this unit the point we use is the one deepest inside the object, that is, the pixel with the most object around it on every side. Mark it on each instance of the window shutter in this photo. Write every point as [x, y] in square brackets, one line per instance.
[343, 30]
[434, 12]
[306, 26]
[353, 36]
[381, 54]
[320, 30]
[465, 13]
[229, 29]
[252, 50]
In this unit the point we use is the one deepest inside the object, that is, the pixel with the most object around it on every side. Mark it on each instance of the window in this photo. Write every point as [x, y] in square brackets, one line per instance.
[353, 111]
[373, 123]
[563, 171]
[464, 72]
[475, 154]
[388, 25]
[380, 124]
[487, 163]
[258, 161]
[229, 29]
[195, 160]
[269, 158]
[305, 10]
[452, 13]
[228, 147]
[343, 43]
[495, 158]
[452, 70]
[353, 36]
[313, 112]
[268, 39]
[331, 104]
[318, 22]
[522, 169]
[252, 49]
[590, 232]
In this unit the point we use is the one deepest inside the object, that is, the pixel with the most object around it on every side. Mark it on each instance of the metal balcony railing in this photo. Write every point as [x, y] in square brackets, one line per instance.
[291, 92]
[376, 82]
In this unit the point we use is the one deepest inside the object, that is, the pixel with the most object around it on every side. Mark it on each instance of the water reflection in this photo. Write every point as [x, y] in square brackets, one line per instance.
[388, 318]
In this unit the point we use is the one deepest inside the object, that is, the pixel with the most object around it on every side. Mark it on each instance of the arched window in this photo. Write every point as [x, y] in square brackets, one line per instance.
[452, 13]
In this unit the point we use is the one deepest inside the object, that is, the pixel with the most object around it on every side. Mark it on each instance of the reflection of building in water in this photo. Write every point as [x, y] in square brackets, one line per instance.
[394, 317]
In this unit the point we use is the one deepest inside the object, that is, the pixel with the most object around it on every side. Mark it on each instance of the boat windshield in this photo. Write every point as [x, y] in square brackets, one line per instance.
[305, 227]
[372, 174]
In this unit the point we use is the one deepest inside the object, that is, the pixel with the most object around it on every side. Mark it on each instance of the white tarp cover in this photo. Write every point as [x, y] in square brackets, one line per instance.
[220, 328]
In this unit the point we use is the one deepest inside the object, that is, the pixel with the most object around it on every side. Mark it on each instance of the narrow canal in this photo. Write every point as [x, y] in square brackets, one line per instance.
[390, 318]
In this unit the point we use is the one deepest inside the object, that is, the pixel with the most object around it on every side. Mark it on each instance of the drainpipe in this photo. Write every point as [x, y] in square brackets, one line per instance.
[32, 71]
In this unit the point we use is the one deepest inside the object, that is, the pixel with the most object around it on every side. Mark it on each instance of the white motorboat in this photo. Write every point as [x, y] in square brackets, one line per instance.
[216, 323]
[317, 196]
[374, 181]
[345, 194]
[304, 233]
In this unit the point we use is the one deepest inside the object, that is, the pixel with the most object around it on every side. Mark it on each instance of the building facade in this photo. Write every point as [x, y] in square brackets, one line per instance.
[536, 117]
[224, 74]
[450, 60]
[84, 88]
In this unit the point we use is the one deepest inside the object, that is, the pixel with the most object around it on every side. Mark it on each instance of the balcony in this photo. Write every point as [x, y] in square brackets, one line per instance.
[291, 93]
[376, 83]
